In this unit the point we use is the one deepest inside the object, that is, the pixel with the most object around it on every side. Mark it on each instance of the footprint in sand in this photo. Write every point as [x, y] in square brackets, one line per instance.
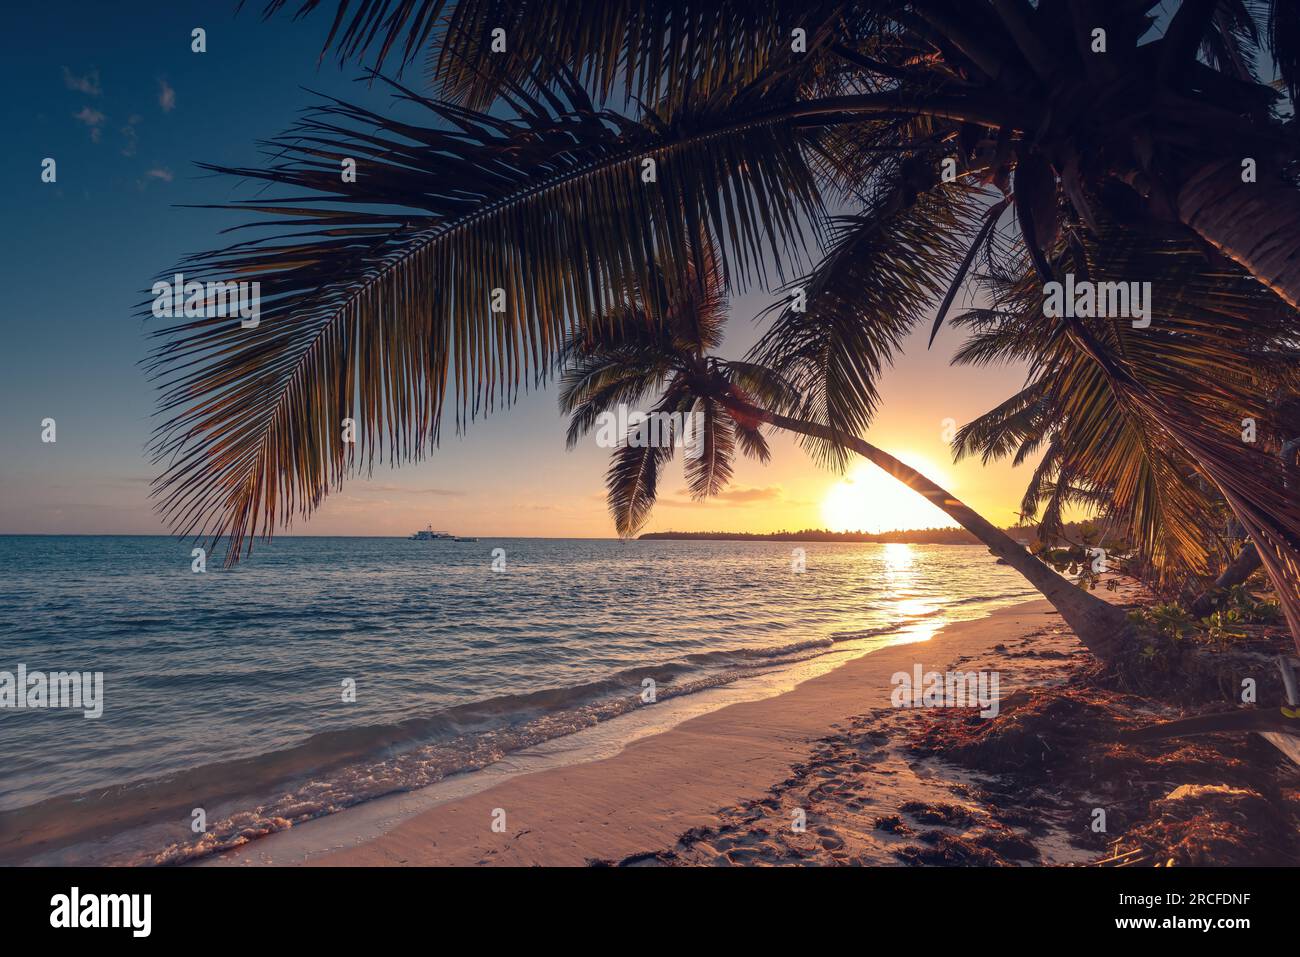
[830, 840]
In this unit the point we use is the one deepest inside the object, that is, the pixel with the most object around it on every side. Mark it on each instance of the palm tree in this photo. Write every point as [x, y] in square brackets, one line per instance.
[1221, 331]
[1079, 91]
[635, 357]
[521, 186]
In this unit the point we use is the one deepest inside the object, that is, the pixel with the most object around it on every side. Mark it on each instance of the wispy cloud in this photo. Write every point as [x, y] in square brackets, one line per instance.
[768, 493]
[93, 119]
[404, 490]
[737, 495]
[87, 84]
[162, 173]
[129, 137]
[166, 96]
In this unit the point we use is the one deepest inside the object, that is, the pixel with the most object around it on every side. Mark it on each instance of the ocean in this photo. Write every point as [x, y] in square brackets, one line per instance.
[324, 672]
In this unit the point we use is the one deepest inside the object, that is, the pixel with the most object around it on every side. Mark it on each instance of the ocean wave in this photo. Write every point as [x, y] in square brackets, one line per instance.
[223, 706]
[999, 597]
[335, 769]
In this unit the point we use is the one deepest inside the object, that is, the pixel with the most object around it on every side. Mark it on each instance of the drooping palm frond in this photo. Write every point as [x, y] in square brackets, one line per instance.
[1143, 416]
[447, 274]
[1018, 425]
[709, 471]
[750, 439]
[632, 481]
[636, 355]
[885, 269]
[659, 52]
[375, 25]
[598, 381]
[1048, 475]
[1230, 43]
[1282, 22]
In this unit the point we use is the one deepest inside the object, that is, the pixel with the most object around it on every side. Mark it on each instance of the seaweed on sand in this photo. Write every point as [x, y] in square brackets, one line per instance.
[1217, 799]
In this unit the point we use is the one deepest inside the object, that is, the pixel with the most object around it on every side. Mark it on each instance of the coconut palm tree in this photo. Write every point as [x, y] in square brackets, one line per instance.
[1221, 331]
[1081, 93]
[666, 361]
[519, 204]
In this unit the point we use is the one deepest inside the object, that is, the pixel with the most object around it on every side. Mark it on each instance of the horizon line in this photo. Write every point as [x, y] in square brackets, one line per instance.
[594, 538]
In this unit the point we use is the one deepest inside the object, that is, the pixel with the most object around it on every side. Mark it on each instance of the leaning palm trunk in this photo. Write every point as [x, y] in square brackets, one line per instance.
[1238, 570]
[1101, 626]
[1252, 223]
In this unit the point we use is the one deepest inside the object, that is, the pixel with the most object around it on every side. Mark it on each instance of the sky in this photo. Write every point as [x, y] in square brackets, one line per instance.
[114, 94]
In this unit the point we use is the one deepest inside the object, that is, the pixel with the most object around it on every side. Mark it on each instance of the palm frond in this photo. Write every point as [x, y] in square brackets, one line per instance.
[593, 386]
[1230, 43]
[657, 52]
[632, 483]
[750, 440]
[379, 294]
[709, 471]
[1127, 425]
[379, 25]
[758, 384]
[1011, 426]
[1283, 31]
[885, 269]
[660, 53]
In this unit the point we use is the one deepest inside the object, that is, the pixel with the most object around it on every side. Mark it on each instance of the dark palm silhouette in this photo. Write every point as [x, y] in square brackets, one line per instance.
[631, 357]
[931, 121]
[1220, 331]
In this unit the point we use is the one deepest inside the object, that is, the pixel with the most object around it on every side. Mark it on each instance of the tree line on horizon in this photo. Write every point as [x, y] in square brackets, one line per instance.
[915, 536]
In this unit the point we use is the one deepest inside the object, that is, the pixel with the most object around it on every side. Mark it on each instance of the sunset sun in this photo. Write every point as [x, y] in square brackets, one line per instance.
[868, 499]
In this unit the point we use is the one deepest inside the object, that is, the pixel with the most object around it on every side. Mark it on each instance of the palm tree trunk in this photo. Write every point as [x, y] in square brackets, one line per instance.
[1250, 223]
[1101, 626]
[1238, 570]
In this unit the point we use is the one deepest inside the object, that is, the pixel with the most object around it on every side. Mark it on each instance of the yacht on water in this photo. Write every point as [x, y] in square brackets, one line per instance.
[429, 534]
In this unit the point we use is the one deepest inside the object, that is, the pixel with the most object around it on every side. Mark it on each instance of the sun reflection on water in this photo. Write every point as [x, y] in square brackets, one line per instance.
[919, 614]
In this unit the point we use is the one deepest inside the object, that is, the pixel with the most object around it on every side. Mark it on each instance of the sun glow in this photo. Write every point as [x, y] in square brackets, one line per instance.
[868, 499]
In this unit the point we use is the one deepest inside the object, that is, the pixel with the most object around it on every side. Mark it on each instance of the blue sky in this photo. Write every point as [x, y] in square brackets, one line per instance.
[115, 95]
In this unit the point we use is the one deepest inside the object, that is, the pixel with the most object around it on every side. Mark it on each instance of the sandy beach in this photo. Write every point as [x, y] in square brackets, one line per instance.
[715, 769]
[831, 772]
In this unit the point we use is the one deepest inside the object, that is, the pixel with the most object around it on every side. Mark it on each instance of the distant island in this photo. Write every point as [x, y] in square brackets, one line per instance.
[910, 536]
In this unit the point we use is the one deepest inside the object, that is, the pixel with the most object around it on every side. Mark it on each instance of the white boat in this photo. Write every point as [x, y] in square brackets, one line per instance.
[430, 534]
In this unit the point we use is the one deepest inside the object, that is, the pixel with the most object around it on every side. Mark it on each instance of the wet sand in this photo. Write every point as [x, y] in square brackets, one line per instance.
[710, 769]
